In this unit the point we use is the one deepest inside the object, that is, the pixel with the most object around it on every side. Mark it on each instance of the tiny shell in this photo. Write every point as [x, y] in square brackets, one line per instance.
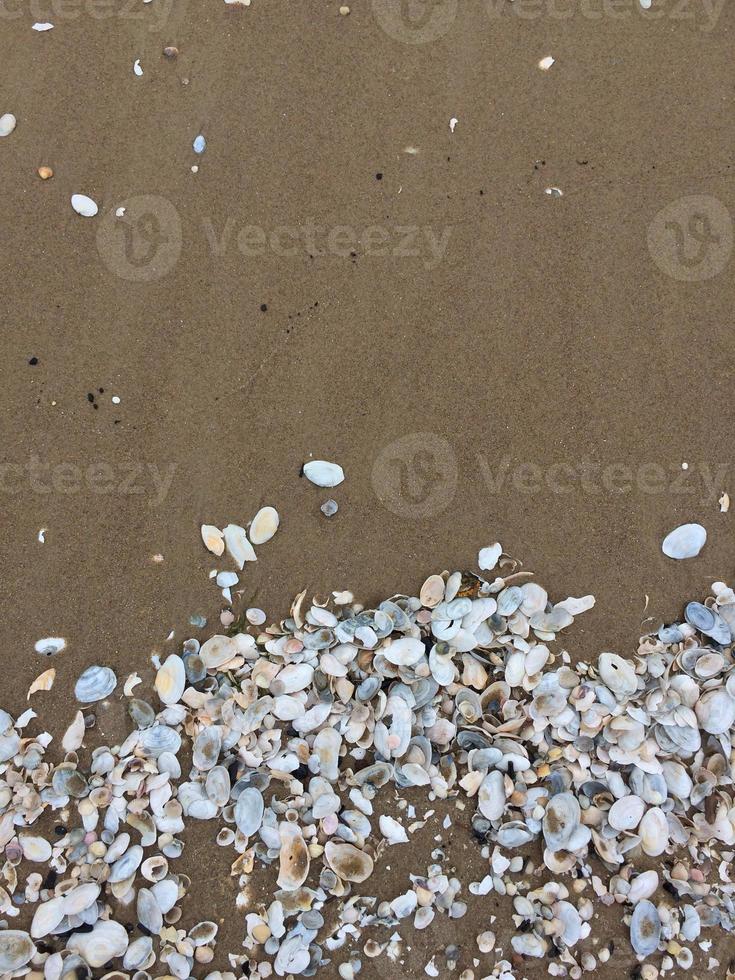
[264, 525]
[323, 474]
[8, 123]
[84, 205]
[50, 645]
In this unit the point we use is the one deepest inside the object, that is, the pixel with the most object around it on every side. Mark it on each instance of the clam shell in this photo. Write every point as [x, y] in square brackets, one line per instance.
[618, 675]
[138, 953]
[491, 796]
[645, 928]
[293, 858]
[148, 910]
[171, 679]
[405, 651]
[95, 684]
[626, 813]
[489, 557]
[292, 679]
[715, 711]
[685, 541]
[561, 821]
[8, 123]
[213, 539]
[348, 862]
[238, 545]
[36, 849]
[106, 941]
[653, 831]
[16, 947]
[249, 811]
[218, 650]
[207, 748]
[264, 525]
[84, 205]
[323, 474]
[158, 739]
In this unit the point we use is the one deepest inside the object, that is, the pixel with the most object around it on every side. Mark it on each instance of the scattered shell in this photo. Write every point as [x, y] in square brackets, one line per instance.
[106, 941]
[45, 173]
[323, 474]
[44, 682]
[171, 679]
[348, 861]
[685, 541]
[199, 145]
[213, 539]
[8, 123]
[50, 645]
[238, 545]
[84, 205]
[489, 557]
[645, 928]
[16, 950]
[264, 525]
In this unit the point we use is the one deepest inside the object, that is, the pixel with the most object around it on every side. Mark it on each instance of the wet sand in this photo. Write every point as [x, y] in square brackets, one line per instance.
[537, 372]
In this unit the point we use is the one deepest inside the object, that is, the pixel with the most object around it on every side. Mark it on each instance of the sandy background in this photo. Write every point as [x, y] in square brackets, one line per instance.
[492, 362]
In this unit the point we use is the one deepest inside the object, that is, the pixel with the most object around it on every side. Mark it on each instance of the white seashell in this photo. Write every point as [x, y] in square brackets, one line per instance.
[348, 862]
[50, 645]
[653, 831]
[546, 63]
[432, 591]
[645, 928]
[643, 886]
[16, 950]
[106, 941]
[249, 811]
[199, 145]
[80, 898]
[207, 747]
[294, 859]
[84, 205]
[404, 652]
[326, 746]
[264, 525]
[166, 894]
[323, 474]
[41, 27]
[685, 541]
[8, 123]
[47, 917]
[74, 735]
[138, 953]
[95, 684]
[292, 679]
[529, 944]
[561, 821]
[392, 830]
[159, 739]
[36, 849]
[489, 557]
[213, 539]
[148, 910]
[238, 545]
[171, 679]
[626, 813]
[618, 675]
[715, 711]
[491, 796]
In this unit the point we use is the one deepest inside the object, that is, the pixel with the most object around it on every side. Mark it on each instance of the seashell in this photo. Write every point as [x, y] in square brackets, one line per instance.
[138, 953]
[294, 859]
[207, 747]
[264, 525]
[432, 591]
[348, 862]
[199, 145]
[715, 711]
[166, 894]
[708, 622]
[171, 679]
[645, 929]
[141, 713]
[685, 541]
[74, 735]
[213, 539]
[218, 650]
[95, 684]
[326, 746]
[617, 675]
[404, 652]
[158, 739]
[292, 679]
[47, 917]
[84, 205]
[491, 796]
[50, 645]
[68, 781]
[561, 821]
[653, 831]
[643, 886]
[16, 947]
[217, 786]
[148, 910]
[9, 746]
[81, 898]
[323, 474]
[489, 557]
[392, 830]
[8, 122]
[626, 813]
[249, 811]
[106, 941]
[529, 944]
[238, 546]
[127, 865]
[203, 933]
[35, 849]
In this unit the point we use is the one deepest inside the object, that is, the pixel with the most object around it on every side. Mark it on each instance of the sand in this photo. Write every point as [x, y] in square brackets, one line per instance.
[537, 371]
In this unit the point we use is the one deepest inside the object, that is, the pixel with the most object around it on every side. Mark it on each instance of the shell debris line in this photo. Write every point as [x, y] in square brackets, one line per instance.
[600, 785]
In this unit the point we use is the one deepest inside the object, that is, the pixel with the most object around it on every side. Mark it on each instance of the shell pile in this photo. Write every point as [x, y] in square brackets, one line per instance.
[608, 783]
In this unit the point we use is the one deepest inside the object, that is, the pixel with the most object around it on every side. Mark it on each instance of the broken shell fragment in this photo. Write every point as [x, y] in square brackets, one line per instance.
[240, 549]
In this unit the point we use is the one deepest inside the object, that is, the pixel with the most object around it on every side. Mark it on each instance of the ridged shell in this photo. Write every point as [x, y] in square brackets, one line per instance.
[160, 738]
[95, 684]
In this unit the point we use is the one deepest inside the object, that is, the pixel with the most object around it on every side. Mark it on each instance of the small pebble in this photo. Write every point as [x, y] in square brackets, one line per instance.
[344, 10]
[45, 173]
[329, 508]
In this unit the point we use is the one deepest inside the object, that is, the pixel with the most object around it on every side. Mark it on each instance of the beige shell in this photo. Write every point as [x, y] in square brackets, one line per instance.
[264, 525]
[348, 861]
[293, 858]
